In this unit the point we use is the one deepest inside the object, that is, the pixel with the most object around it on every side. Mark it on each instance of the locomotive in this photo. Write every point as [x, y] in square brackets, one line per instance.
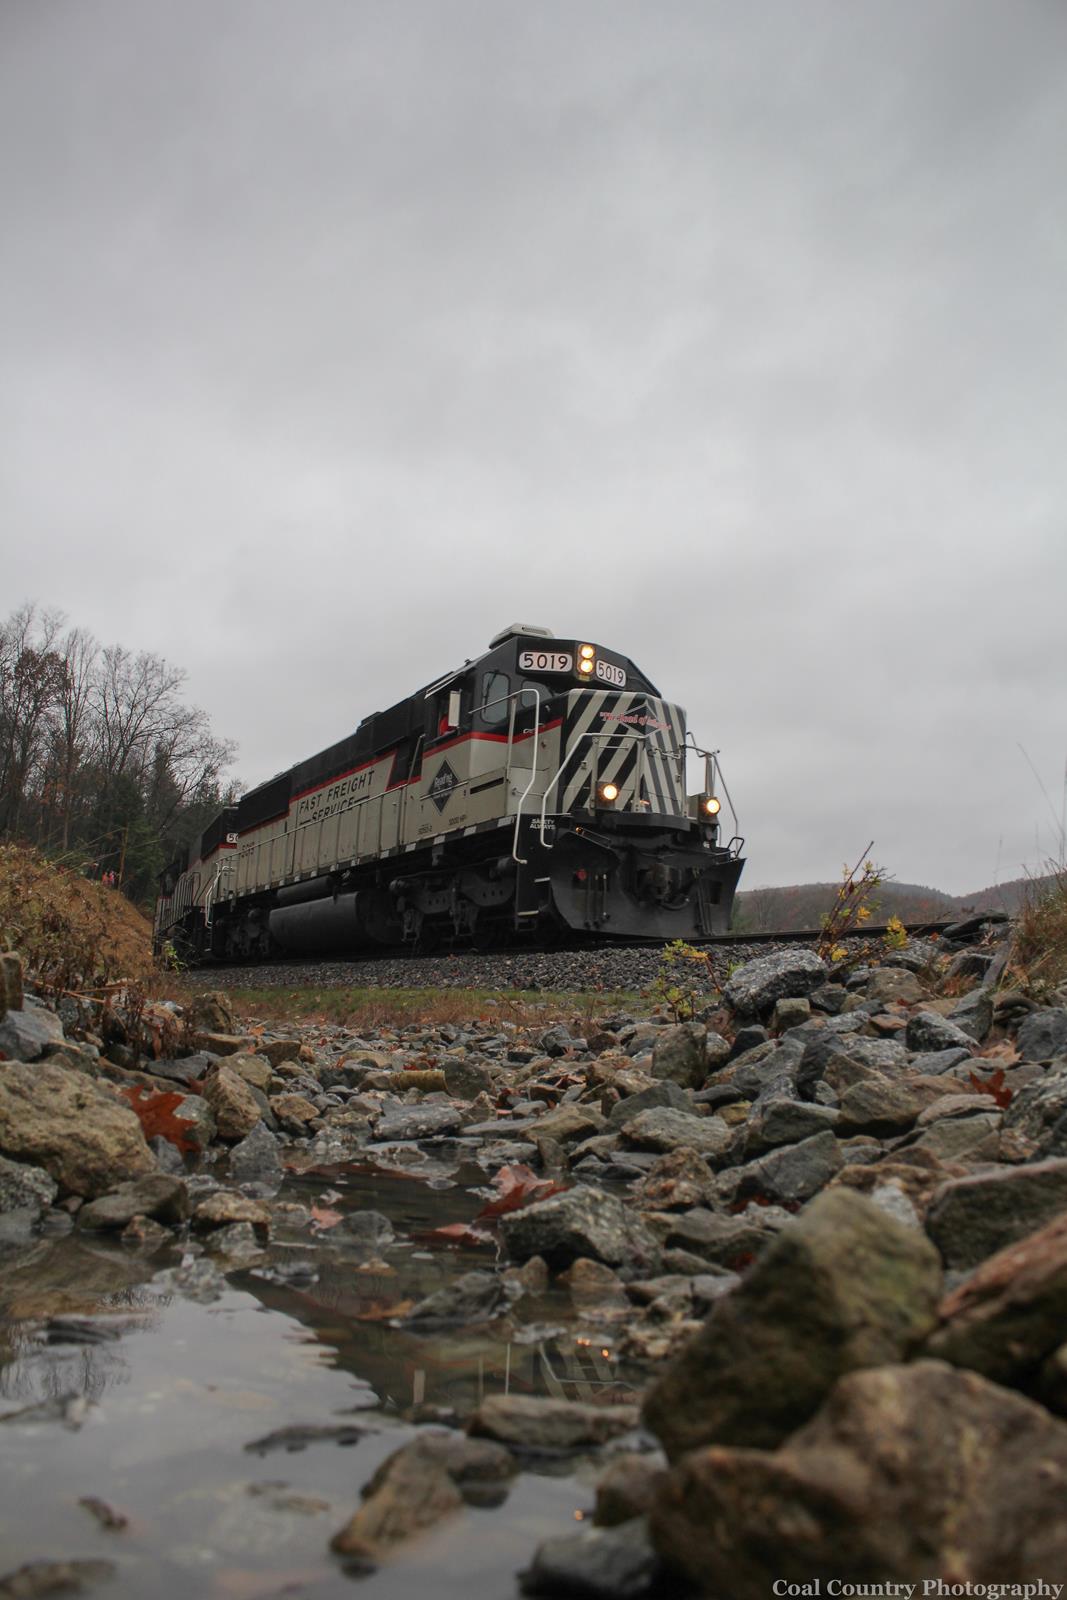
[538, 789]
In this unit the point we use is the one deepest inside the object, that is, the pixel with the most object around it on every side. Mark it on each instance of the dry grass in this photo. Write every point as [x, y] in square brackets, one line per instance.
[72, 933]
[366, 1009]
[1039, 956]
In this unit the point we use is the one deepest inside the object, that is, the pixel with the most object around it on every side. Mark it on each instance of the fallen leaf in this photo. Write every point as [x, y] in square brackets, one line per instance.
[322, 1218]
[155, 1110]
[518, 1187]
[385, 1313]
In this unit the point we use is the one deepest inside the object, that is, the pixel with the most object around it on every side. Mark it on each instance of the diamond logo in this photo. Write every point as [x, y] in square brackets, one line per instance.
[441, 786]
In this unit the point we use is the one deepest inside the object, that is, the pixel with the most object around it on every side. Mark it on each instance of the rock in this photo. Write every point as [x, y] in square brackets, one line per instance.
[974, 1014]
[570, 1123]
[540, 1424]
[828, 997]
[724, 1241]
[936, 1062]
[1043, 1035]
[972, 1218]
[787, 1175]
[212, 1012]
[36, 1579]
[164, 1198]
[81, 1134]
[678, 1180]
[222, 1208]
[889, 984]
[665, 1129]
[843, 1287]
[199, 1120]
[716, 1052]
[749, 1037]
[474, 1298]
[420, 1484]
[369, 1230]
[232, 1102]
[26, 1034]
[579, 1222]
[11, 987]
[27, 1188]
[754, 988]
[627, 1487]
[916, 1472]
[257, 1158]
[1009, 1315]
[660, 1094]
[928, 1030]
[417, 1122]
[594, 1286]
[1035, 1123]
[596, 1564]
[294, 1113]
[790, 1013]
[465, 1080]
[237, 1240]
[882, 1109]
[782, 1121]
[956, 1139]
[557, 1040]
[679, 1054]
[256, 1070]
[278, 1050]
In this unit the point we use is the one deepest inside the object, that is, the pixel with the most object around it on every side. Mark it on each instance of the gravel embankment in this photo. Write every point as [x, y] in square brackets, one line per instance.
[610, 970]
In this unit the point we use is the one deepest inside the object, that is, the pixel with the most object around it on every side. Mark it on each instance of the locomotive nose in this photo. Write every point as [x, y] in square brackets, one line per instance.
[659, 883]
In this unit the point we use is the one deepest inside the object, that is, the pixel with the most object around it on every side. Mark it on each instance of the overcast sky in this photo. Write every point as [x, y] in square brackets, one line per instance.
[337, 335]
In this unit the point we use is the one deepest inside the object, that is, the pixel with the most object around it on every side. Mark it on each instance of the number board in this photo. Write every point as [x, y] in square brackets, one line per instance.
[545, 661]
[610, 674]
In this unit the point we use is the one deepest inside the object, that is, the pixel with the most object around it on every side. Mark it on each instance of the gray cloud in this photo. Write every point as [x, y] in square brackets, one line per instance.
[336, 337]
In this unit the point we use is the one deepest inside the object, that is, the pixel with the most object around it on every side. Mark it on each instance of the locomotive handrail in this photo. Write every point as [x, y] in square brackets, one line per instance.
[576, 748]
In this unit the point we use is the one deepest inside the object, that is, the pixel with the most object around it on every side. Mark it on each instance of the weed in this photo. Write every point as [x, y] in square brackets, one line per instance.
[1039, 954]
[677, 985]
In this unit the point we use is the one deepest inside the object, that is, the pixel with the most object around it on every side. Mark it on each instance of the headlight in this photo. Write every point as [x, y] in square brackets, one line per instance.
[712, 805]
[586, 652]
[608, 792]
[585, 666]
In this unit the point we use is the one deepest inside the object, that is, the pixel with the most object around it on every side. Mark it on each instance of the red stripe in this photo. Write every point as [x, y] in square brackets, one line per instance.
[438, 749]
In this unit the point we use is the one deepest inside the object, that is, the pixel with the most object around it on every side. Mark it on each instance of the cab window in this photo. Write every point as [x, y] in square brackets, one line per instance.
[496, 686]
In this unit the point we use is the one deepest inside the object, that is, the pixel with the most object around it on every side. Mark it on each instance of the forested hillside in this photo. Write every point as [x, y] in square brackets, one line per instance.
[102, 763]
[801, 905]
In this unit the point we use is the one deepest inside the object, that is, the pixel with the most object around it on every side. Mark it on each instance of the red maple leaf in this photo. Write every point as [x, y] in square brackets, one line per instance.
[155, 1110]
[995, 1087]
[518, 1187]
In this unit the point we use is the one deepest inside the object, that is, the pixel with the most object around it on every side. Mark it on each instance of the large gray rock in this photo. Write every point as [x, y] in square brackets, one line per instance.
[541, 1423]
[663, 1129]
[25, 1188]
[157, 1195]
[974, 1014]
[579, 1222]
[25, 1035]
[660, 1094]
[475, 1297]
[908, 1472]
[1008, 1317]
[882, 1108]
[1043, 1035]
[418, 1122]
[82, 1135]
[929, 1030]
[727, 1241]
[974, 1217]
[1035, 1123]
[257, 1159]
[680, 1054]
[233, 1103]
[754, 988]
[782, 1121]
[846, 1286]
[788, 1175]
[596, 1564]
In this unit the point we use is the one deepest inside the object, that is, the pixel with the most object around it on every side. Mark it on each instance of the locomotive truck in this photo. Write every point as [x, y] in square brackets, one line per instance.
[537, 790]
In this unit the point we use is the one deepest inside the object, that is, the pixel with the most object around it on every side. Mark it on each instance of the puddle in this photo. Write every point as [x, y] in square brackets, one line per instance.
[117, 1386]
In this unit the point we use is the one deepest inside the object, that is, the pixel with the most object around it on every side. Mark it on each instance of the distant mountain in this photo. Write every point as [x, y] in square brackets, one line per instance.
[800, 906]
